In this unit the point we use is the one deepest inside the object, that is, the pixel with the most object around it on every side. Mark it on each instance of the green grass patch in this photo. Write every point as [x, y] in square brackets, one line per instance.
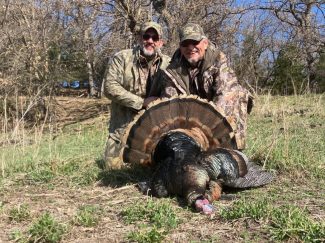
[124, 176]
[87, 176]
[242, 209]
[154, 220]
[40, 176]
[147, 234]
[290, 222]
[19, 213]
[46, 229]
[51, 151]
[87, 216]
[283, 222]
[287, 134]
[17, 235]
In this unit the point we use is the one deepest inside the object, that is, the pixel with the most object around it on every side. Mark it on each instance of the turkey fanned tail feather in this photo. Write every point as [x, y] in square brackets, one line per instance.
[234, 169]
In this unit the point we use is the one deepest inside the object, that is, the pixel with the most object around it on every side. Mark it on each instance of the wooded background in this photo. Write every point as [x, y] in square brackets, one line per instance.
[274, 46]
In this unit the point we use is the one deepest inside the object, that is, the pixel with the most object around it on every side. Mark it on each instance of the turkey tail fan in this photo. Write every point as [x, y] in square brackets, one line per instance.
[254, 177]
[196, 117]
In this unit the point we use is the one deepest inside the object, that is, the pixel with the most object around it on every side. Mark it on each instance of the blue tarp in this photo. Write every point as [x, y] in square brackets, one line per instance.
[65, 84]
[75, 84]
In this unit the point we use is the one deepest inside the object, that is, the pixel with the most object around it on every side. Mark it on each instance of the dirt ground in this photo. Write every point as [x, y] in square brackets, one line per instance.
[68, 110]
[63, 201]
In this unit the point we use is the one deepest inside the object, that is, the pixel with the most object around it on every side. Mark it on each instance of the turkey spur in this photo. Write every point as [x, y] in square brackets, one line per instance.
[191, 146]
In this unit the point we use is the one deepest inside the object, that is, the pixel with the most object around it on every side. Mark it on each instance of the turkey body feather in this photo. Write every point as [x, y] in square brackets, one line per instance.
[184, 169]
[191, 145]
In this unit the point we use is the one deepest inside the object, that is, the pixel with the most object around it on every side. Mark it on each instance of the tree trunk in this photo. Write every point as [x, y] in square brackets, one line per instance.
[92, 91]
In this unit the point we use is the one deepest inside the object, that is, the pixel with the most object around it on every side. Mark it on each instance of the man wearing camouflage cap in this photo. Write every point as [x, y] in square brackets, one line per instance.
[127, 82]
[198, 67]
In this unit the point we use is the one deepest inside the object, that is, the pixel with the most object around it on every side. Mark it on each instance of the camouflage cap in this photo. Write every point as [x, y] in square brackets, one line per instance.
[147, 25]
[191, 31]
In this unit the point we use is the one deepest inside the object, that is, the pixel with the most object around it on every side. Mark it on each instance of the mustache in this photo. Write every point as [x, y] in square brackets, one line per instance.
[194, 50]
[156, 49]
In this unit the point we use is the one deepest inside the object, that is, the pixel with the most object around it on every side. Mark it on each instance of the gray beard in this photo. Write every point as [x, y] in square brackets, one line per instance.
[193, 62]
[149, 53]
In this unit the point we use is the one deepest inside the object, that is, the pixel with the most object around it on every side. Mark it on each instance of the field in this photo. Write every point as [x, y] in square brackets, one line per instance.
[54, 188]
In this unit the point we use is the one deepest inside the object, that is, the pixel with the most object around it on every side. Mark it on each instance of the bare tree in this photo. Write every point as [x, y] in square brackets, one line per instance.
[128, 16]
[42, 42]
[256, 45]
[84, 15]
[29, 31]
[305, 20]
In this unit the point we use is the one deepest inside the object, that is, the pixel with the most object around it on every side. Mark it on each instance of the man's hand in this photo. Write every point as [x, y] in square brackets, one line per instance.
[149, 100]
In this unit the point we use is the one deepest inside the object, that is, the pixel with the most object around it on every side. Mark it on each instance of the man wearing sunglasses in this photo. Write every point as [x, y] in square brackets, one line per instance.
[127, 83]
[198, 67]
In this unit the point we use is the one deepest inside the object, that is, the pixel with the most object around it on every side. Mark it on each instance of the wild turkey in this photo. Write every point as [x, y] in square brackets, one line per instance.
[193, 150]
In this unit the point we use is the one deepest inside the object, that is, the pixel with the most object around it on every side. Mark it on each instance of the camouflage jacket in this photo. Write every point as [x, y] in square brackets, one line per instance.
[125, 84]
[214, 80]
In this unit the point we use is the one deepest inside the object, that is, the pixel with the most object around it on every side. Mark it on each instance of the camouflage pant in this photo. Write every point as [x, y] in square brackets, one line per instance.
[236, 105]
[112, 151]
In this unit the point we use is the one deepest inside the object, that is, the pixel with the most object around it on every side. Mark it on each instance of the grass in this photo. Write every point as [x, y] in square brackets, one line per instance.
[146, 234]
[241, 209]
[290, 222]
[54, 150]
[40, 176]
[66, 155]
[19, 213]
[45, 229]
[154, 220]
[284, 222]
[59, 171]
[287, 134]
[87, 216]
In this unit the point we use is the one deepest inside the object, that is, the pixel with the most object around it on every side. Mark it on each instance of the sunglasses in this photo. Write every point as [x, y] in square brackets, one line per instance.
[187, 43]
[153, 37]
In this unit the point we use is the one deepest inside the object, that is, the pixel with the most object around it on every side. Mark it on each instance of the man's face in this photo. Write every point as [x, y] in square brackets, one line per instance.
[151, 42]
[193, 50]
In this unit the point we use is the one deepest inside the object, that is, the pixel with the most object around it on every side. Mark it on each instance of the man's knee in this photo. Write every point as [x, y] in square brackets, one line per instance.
[112, 148]
[111, 155]
[113, 163]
